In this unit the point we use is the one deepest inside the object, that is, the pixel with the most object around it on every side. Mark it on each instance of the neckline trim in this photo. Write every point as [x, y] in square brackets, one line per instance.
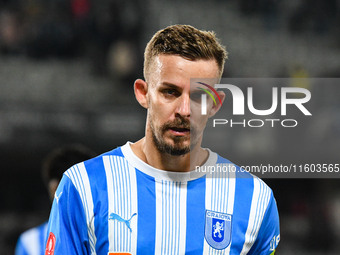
[159, 174]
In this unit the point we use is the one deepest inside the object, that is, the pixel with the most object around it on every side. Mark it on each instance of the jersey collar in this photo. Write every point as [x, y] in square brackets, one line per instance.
[159, 174]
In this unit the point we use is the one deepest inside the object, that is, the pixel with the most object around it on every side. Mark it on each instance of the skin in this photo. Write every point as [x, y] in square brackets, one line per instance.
[169, 99]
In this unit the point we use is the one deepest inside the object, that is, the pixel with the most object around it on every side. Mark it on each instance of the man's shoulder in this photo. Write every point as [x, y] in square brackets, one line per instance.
[94, 163]
[115, 152]
[231, 167]
[241, 174]
[93, 172]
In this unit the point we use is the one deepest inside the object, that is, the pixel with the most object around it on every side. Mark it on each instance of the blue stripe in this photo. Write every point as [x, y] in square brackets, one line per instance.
[195, 216]
[97, 179]
[243, 196]
[146, 213]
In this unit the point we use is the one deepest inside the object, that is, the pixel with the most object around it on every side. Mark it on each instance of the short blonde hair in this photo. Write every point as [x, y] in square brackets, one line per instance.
[187, 42]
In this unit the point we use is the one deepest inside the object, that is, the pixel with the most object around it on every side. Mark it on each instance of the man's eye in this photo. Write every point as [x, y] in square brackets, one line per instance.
[196, 96]
[169, 92]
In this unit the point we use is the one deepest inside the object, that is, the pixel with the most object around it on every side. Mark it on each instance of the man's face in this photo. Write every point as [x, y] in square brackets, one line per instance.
[174, 126]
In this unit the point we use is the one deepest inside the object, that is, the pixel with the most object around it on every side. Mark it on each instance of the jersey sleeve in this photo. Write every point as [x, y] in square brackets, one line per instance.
[67, 228]
[269, 234]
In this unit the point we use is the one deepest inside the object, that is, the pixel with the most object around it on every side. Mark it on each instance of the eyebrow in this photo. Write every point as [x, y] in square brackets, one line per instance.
[167, 84]
[171, 85]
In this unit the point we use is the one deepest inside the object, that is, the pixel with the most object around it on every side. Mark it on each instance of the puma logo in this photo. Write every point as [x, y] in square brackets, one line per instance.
[114, 216]
[57, 197]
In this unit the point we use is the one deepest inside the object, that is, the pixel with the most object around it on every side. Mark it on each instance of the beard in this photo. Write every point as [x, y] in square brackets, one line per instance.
[177, 148]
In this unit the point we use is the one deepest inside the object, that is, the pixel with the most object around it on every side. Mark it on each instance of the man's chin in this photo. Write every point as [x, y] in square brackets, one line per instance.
[175, 149]
[173, 145]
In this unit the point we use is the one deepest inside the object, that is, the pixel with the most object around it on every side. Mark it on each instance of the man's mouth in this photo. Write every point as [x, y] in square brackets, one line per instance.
[179, 131]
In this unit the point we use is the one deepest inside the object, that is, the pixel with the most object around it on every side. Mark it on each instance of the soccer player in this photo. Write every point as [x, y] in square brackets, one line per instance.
[32, 241]
[146, 197]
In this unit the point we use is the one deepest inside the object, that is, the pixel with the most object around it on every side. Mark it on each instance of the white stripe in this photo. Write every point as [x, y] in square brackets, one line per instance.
[260, 200]
[183, 218]
[220, 197]
[80, 180]
[30, 240]
[159, 213]
[122, 200]
[134, 208]
[171, 199]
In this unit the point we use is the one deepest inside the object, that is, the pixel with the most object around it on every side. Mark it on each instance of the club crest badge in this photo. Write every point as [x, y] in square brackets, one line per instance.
[50, 245]
[218, 229]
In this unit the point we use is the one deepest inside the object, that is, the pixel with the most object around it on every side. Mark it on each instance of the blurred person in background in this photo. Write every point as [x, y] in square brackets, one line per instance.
[11, 31]
[32, 241]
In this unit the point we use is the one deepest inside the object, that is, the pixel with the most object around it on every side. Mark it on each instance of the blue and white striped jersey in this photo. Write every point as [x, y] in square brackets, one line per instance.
[32, 241]
[118, 204]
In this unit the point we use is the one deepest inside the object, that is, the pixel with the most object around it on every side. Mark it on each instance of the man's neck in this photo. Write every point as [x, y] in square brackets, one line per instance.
[147, 152]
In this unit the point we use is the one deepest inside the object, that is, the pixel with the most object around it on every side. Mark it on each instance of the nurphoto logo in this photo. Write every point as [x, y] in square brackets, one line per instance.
[239, 99]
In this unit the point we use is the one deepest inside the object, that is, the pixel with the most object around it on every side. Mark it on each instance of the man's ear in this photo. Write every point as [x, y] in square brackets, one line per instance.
[216, 107]
[141, 91]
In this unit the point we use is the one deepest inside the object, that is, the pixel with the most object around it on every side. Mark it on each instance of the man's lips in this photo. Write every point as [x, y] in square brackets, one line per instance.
[179, 131]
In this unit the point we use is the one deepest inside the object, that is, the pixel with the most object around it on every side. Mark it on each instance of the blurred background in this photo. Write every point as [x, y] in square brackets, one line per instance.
[67, 69]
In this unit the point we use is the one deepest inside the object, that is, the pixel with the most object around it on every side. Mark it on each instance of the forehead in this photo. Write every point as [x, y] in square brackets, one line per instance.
[178, 70]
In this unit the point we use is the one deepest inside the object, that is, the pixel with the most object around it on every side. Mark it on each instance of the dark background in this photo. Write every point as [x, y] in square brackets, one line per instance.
[67, 69]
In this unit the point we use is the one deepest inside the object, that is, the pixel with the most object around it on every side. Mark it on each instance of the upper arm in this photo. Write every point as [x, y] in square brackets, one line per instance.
[67, 221]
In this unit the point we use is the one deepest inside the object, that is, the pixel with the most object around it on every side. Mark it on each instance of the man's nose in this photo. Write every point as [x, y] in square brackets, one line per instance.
[184, 106]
